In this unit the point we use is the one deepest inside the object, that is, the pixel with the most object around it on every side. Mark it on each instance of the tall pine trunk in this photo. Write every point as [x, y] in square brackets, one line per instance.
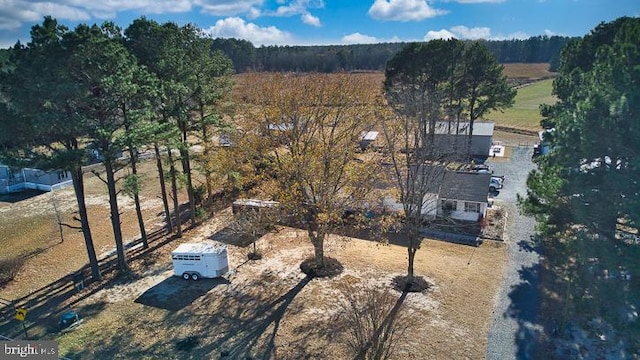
[174, 190]
[186, 168]
[133, 154]
[207, 151]
[78, 186]
[163, 189]
[115, 215]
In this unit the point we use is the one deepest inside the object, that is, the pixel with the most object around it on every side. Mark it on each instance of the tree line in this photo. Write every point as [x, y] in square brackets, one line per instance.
[102, 89]
[371, 57]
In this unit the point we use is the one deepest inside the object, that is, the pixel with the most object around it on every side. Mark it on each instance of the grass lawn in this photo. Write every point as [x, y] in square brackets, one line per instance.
[525, 112]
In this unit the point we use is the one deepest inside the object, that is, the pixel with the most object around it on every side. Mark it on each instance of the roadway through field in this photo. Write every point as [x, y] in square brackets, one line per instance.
[513, 328]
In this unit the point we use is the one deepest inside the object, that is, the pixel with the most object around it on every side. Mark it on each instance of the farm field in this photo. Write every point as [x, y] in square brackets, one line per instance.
[525, 113]
[531, 71]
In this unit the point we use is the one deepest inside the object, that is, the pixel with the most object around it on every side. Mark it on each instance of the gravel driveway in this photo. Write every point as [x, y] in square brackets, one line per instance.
[513, 327]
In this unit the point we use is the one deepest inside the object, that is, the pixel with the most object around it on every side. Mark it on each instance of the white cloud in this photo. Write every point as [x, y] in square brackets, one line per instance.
[235, 27]
[475, 33]
[229, 7]
[108, 9]
[403, 10]
[16, 12]
[465, 33]
[254, 13]
[519, 35]
[553, 33]
[357, 38]
[310, 20]
[296, 7]
[440, 34]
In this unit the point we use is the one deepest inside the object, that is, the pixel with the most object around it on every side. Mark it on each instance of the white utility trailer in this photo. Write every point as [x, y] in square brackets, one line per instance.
[200, 260]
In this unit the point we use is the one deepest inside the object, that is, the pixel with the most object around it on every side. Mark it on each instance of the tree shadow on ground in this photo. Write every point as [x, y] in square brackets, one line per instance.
[249, 330]
[175, 293]
[532, 245]
[524, 309]
[49, 301]
[231, 236]
[13, 198]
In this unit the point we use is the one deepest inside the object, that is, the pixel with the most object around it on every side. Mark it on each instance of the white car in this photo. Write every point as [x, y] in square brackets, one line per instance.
[497, 182]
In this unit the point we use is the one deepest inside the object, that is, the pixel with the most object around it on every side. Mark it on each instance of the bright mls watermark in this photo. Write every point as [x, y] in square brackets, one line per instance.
[25, 349]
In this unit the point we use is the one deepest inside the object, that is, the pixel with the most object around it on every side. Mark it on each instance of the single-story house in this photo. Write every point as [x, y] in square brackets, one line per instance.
[15, 180]
[453, 137]
[464, 195]
[459, 195]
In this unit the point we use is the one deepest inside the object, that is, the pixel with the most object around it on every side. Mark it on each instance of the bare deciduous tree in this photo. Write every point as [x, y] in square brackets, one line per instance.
[374, 321]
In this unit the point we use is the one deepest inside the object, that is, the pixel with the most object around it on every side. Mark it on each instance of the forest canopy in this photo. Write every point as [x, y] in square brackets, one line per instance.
[371, 57]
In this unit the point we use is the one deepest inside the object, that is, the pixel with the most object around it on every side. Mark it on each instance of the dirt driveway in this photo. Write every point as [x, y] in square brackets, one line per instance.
[513, 325]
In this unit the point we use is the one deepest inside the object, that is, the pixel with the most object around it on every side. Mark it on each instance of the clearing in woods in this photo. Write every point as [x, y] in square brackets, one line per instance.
[265, 305]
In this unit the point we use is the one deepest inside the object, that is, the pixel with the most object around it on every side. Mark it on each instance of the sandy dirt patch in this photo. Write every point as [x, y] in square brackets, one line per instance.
[269, 306]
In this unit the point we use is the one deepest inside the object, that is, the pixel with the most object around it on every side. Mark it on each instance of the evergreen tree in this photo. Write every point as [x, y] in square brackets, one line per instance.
[590, 176]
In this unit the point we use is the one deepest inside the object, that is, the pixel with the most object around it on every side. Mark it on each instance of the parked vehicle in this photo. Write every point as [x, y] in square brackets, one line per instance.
[200, 260]
[69, 321]
[496, 183]
[498, 179]
[480, 168]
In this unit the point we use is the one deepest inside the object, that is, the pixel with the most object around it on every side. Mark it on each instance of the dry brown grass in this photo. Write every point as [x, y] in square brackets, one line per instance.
[527, 70]
[269, 306]
[267, 303]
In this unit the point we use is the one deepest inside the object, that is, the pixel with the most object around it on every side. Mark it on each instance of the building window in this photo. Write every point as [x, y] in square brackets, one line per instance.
[472, 207]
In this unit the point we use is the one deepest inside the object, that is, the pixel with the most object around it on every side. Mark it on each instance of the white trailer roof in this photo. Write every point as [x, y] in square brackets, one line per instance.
[369, 135]
[256, 203]
[206, 248]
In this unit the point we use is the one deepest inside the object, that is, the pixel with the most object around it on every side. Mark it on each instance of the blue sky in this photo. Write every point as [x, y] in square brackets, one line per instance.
[320, 22]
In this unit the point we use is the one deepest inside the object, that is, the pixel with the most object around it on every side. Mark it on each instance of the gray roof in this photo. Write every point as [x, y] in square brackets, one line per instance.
[465, 186]
[479, 128]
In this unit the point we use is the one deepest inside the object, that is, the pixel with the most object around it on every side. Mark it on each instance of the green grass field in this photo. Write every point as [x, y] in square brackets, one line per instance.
[525, 112]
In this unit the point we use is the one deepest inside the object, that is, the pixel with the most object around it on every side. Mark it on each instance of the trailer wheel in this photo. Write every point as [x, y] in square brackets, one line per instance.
[186, 276]
[194, 276]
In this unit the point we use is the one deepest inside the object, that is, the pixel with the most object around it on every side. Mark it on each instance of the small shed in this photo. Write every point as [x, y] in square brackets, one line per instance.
[367, 138]
[454, 138]
[243, 205]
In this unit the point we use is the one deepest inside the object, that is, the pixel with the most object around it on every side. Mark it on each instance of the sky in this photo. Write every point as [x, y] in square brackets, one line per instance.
[329, 22]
